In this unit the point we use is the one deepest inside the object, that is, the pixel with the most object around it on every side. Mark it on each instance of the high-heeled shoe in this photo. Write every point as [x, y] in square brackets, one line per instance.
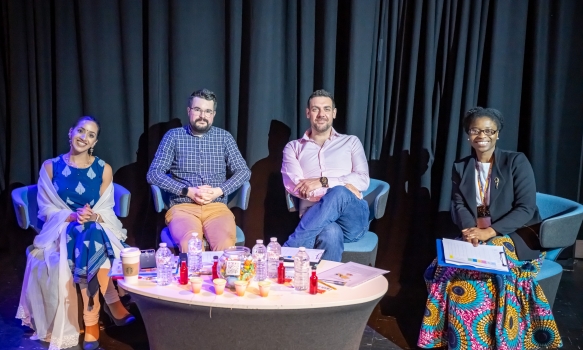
[127, 319]
[90, 345]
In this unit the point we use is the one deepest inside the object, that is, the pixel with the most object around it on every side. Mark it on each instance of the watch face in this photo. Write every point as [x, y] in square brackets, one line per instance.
[185, 191]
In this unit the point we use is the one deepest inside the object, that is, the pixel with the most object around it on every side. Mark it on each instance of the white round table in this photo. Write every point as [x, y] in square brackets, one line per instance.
[175, 318]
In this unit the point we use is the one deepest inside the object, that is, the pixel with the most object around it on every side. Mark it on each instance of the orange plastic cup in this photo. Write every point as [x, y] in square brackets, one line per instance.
[219, 285]
[241, 287]
[196, 284]
[264, 287]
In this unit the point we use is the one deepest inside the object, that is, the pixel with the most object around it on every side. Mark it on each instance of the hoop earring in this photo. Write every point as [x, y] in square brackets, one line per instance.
[91, 151]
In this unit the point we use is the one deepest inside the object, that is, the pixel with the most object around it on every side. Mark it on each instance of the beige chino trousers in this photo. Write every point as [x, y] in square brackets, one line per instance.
[214, 220]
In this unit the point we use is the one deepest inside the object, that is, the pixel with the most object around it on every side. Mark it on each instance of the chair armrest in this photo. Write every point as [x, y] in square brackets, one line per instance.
[292, 202]
[376, 197]
[158, 198]
[240, 198]
[20, 203]
[561, 231]
[381, 203]
[122, 200]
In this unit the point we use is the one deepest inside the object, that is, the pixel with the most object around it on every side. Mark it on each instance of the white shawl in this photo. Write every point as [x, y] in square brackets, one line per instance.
[48, 301]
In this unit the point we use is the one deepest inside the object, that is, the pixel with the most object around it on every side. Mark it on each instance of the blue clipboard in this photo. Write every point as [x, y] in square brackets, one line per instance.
[441, 262]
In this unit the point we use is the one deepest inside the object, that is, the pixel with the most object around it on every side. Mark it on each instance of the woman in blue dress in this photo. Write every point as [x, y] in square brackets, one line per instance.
[80, 238]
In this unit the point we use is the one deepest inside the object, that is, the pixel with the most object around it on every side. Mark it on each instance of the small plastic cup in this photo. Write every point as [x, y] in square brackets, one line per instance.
[219, 285]
[196, 284]
[241, 287]
[264, 288]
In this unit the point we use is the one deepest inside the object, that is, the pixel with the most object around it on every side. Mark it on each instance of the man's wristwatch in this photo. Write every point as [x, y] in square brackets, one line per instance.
[185, 191]
[324, 181]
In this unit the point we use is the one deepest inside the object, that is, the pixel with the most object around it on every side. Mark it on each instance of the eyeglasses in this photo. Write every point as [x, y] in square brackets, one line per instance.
[487, 132]
[197, 111]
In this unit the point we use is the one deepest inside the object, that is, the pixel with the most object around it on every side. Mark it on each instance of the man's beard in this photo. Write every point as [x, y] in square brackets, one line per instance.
[200, 129]
[322, 128]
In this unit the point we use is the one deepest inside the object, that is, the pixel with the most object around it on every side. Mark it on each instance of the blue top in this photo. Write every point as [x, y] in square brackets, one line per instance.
[75, 186]
[186, 160]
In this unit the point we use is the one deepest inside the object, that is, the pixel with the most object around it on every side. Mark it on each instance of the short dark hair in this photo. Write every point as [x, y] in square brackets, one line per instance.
[322, 93]
[204, 94]
[90, 118]
[479, 112]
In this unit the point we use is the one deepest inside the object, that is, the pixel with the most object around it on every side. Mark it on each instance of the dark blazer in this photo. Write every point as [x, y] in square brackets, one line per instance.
[512, 202]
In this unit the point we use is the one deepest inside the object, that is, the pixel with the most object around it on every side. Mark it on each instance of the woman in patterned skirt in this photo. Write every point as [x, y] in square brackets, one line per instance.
[80, 238]
[493, 195]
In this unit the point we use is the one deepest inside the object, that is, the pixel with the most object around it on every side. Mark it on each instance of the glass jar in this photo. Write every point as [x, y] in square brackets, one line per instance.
[236, 264]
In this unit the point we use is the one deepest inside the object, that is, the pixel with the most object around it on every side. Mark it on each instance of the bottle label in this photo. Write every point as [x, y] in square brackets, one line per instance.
[233, 268]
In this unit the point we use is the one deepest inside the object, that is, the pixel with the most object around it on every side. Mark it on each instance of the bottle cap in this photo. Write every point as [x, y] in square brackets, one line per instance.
[273, 239]
[195, 234]
[314, 267]
[259, 241]
[281, 258]
[162, 245]
[302, 249]
[215, 257]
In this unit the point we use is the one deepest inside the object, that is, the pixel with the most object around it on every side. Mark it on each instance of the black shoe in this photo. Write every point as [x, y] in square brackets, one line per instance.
[129, 318]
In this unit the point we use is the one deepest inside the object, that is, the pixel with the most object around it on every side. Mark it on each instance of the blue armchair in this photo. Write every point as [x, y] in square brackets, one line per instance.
[561, 222]
[26, 207]
[364, 251]
[237, 199]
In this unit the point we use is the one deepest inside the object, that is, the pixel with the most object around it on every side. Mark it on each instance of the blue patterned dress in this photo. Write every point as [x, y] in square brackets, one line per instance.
[87, 245]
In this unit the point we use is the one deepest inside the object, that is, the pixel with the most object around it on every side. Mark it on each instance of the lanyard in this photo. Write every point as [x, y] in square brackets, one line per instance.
[484, 189]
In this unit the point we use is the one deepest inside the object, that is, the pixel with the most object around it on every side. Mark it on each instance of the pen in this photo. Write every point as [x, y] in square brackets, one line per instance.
[338, 283]
[326, 284]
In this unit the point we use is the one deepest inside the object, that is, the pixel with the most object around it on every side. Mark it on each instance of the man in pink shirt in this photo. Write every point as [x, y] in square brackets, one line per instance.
[328, 171]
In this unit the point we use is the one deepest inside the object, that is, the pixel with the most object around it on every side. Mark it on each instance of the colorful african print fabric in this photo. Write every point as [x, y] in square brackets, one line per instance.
[474, 310]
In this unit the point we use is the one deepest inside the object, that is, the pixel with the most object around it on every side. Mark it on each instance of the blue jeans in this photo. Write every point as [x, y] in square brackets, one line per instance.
[338, 218]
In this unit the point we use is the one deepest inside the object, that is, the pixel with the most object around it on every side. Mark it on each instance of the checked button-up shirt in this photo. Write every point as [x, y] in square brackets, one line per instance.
[185, 160]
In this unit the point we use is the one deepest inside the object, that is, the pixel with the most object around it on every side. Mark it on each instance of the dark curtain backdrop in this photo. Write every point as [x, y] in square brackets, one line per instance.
[403, 73]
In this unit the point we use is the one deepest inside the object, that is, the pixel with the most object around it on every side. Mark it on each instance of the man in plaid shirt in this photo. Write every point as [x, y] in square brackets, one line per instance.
[191, 165]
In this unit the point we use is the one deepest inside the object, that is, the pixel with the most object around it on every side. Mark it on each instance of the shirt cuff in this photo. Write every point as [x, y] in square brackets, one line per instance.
[334, 181]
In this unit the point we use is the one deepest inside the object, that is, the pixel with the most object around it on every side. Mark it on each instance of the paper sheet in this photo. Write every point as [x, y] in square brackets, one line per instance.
[350, 274]
[482, 256]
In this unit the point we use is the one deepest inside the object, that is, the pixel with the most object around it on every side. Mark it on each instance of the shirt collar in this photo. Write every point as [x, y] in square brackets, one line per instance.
[334, 134]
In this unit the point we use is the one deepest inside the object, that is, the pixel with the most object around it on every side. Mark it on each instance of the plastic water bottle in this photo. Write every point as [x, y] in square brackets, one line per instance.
[194, 254]
[164, 262]
[260, 258]
[273, 254]
[301, 269]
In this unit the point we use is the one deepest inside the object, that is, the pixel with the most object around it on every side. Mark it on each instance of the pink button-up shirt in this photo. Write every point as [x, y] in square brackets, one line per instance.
[341, 159]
